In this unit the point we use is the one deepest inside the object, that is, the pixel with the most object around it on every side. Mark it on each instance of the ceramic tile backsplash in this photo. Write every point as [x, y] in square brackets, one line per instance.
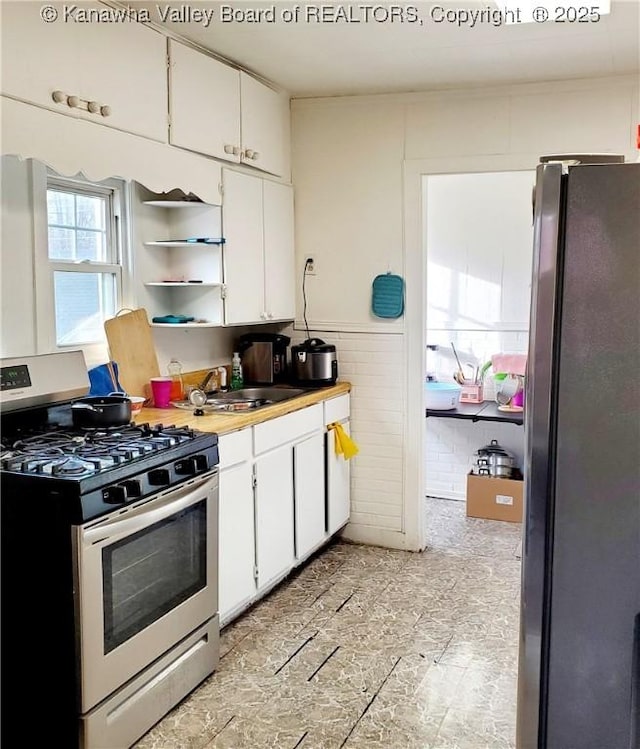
[370, 361]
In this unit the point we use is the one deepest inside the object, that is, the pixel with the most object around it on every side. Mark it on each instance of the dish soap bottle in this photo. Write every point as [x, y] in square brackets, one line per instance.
[174, 369]
[236, 372]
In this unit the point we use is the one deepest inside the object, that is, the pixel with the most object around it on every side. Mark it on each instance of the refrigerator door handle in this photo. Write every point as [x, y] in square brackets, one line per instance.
[635, 687]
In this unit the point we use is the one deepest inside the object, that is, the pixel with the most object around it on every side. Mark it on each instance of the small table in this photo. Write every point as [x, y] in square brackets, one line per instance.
[486, 411]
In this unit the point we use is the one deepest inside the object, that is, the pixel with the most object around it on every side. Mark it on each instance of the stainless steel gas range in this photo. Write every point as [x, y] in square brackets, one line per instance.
[109, 593]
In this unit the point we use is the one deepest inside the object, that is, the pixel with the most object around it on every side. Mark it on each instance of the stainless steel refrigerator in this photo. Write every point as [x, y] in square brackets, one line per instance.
[579, 659]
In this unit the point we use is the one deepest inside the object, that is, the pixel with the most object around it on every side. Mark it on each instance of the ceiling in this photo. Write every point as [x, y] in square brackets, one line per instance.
[308, 58]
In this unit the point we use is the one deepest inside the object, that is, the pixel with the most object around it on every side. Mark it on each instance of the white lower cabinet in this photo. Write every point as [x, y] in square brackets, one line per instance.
[237, 552]
[338, 484]
[309, 495]
[283, 493]
[237, 584]
[274, 514]
[337, 411]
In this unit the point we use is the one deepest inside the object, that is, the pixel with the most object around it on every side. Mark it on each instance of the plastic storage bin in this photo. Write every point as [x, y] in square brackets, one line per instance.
[442, 396]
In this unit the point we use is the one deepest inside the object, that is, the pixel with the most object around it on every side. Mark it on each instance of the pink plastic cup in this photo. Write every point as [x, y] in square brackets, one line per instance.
[161, 391]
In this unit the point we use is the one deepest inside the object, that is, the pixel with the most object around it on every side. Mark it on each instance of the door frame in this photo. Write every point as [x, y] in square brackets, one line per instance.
[415, 273]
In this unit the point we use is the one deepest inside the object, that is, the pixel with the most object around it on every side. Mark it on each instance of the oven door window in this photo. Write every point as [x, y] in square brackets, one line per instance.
[151, 572]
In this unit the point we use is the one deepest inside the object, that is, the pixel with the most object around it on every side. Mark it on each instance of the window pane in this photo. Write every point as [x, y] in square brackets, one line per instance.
[62, 243]
[83, 301]
[90, 245]
[61, 208]
[91, 212]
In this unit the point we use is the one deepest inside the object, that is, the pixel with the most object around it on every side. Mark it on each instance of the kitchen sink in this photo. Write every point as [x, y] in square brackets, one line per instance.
[245, 399]
[271, 394]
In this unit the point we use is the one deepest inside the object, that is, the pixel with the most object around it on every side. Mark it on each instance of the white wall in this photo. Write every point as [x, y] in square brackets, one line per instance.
[17, 307]
[358, 167]
[479, 244]
[347, 172]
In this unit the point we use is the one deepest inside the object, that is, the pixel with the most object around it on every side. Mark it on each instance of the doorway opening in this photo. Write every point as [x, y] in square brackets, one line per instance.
[478, 239]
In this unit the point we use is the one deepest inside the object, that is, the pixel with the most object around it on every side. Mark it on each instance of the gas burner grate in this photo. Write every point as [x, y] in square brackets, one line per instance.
[89, 450]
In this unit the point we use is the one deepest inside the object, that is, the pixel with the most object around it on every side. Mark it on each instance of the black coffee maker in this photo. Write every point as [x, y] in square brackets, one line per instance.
[264, 358]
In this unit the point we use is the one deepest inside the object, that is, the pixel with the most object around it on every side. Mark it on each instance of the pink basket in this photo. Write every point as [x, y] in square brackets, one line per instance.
[472, 394]
[510, 363]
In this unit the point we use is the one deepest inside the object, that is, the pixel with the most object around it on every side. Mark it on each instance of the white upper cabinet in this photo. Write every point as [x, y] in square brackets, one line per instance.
[257, 219]
[225, 113]
[243, 255]
[279, 260]
[110, 73]
[124, 66]
[263, 126]
[205, 103]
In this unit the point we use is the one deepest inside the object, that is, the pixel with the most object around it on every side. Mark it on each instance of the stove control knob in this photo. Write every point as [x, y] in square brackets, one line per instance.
[201, 462]
[114, 495]
[159, 477]
[186, 467]
[132, 487]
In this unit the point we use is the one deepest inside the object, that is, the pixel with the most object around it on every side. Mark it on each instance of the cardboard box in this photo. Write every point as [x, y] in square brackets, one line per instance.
[494, 498]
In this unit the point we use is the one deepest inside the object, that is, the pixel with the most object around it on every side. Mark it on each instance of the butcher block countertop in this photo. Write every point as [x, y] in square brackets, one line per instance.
[223, 423]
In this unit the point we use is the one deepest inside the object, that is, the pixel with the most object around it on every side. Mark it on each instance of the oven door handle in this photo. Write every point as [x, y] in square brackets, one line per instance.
[143, 516]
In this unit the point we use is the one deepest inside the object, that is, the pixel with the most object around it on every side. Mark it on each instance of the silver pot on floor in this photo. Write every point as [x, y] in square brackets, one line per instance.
[494, 460]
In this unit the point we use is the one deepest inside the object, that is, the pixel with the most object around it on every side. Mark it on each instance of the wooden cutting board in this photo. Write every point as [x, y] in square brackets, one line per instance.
[131, 346]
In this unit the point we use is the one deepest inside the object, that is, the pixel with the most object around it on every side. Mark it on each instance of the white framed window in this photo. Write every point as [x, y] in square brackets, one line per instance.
[82, 261]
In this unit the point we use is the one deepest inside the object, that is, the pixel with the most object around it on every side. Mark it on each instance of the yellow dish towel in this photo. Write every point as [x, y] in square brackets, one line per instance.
[345, 446]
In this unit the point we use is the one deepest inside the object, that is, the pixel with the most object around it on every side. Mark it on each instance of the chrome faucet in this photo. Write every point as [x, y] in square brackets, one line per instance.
[205, 382]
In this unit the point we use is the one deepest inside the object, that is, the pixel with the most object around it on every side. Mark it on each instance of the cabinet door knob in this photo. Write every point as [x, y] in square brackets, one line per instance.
[73, 101]
[270, 315]
[105, 110]
[236, 150]
[228, 148]
[59, 97]
[93, 107]
[249, 153]
[263, 315]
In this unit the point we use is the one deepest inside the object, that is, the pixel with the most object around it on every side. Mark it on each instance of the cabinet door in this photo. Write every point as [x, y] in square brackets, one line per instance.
[243, 249]
[29, 49]
[205, 103]
[338, 484]
[121, 65]
[274, 515]
[309, 495]
[124, 66]
[279, 262]
[264, 114]
[236, 557]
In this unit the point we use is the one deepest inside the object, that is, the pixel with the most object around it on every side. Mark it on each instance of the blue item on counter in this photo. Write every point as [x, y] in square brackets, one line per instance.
[101, 380]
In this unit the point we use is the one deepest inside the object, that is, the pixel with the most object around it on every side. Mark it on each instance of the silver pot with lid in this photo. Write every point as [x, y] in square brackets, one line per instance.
[495, 460]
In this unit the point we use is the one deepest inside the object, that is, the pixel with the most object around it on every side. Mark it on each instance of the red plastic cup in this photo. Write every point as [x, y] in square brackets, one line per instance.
[161, 391]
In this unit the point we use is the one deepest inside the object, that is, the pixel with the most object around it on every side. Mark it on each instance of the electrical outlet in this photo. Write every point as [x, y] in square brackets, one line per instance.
[310, 267]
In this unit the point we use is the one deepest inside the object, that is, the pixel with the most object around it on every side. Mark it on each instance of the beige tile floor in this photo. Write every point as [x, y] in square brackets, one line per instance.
[367, 647]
